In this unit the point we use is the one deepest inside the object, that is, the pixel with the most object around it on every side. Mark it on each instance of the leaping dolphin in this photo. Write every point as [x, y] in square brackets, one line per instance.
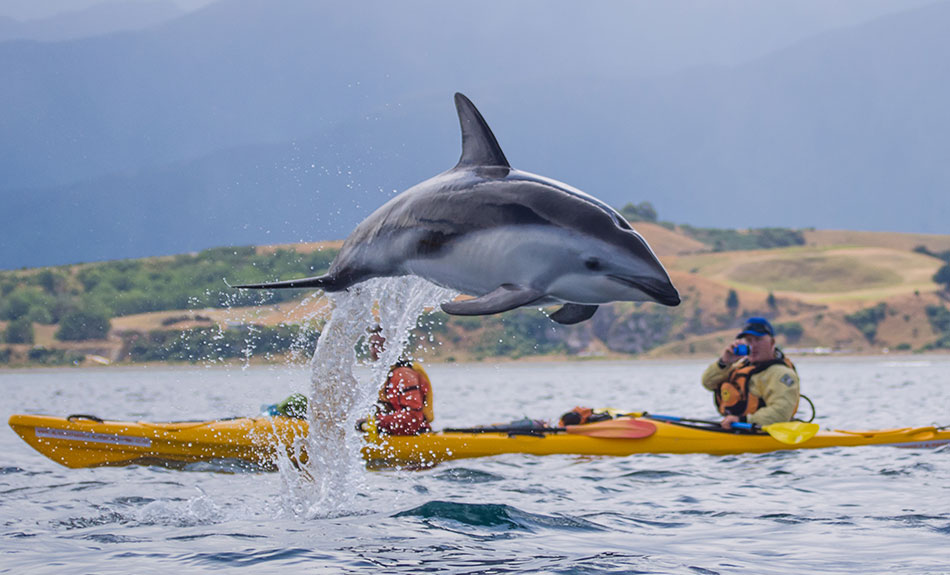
[507, 237]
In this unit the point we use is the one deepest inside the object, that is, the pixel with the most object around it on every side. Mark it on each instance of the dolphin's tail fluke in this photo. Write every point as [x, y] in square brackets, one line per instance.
[324, 282]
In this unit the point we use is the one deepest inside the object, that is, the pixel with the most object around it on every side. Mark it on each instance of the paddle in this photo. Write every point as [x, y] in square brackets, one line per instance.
[614, 428]
[789, 432]
[609, 429]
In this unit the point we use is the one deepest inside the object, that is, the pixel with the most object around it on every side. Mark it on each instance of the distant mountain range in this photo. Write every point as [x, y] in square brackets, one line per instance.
[252, 122]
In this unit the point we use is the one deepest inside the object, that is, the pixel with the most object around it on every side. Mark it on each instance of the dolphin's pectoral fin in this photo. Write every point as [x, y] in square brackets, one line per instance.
[573, 313]
[506, 297]
[325, 282]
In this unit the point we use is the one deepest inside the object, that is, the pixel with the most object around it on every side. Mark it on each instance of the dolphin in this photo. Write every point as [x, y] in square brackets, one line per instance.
[509, 238]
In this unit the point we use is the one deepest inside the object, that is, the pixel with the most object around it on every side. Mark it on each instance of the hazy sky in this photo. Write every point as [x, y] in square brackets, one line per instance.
[331, 105]
[831, 13]
[38, 9]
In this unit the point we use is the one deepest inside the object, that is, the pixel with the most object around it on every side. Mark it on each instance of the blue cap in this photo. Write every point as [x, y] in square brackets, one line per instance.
[757, 326]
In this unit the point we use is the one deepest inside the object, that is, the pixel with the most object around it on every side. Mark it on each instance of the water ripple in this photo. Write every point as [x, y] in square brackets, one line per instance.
[111, 538]
[617, 563]
[945, 530]
[84, 522]
[657, 523]
[290, 556]
[787, 518]
[131, 500]
[84, 485]
[919, 521]
[654, 474]
[494, 515]
[235, 466]
[205, 535]
[466, 475]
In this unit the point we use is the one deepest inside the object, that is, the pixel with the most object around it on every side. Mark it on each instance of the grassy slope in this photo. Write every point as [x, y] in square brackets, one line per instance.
[834, 274]
[818, 274]
[816, 285]
[892, 240]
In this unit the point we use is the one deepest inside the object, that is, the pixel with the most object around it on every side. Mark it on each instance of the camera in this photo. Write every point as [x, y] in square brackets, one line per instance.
[741, 349]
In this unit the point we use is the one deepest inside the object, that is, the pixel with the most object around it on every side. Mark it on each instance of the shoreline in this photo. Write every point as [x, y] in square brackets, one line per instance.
[539, 360]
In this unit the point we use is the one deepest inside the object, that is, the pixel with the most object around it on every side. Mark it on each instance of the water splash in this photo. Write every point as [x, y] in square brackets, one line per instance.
[327, 484]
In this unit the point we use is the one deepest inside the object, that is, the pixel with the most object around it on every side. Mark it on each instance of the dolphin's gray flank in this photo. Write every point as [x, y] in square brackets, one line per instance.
[507, 237]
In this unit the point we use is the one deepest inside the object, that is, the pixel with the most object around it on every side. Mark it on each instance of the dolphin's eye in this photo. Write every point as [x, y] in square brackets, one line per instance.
[593, 264]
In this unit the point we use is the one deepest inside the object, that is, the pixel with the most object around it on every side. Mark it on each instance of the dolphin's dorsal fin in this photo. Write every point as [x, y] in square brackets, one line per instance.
[479, 146]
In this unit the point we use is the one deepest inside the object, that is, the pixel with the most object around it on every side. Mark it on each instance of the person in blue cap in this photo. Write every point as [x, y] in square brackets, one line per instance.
[753, 381]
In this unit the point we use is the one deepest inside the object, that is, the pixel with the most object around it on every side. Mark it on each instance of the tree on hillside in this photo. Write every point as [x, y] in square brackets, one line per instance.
[80, 325]
[14, 307]
[939, 318]
[944, 255]
[773, 305]
[23, 301]
[642, 212]
[19, 331]
[942, 277]
[52, 282]
[732, 302]
[867, 320]
[792, 331]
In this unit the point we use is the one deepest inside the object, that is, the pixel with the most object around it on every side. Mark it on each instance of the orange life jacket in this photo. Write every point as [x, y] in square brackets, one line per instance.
[732, 396]
[427, 409]
[406, 401]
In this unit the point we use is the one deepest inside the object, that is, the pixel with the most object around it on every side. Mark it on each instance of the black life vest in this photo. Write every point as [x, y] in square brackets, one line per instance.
[732, 396]
[580, 415]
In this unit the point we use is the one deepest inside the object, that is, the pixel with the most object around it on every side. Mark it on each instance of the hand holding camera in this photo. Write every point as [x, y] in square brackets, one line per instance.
[735, 350]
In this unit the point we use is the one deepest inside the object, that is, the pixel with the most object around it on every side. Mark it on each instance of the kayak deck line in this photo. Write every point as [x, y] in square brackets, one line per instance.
[80, 442]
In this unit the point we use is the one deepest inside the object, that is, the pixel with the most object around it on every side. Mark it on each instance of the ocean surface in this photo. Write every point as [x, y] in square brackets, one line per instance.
[841, 510]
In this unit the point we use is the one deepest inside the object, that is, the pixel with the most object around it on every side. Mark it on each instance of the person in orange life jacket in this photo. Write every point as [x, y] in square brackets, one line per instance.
[405, 399]
[761, 387]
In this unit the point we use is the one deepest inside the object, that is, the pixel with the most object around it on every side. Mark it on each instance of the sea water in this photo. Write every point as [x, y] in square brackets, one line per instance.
[840, 510]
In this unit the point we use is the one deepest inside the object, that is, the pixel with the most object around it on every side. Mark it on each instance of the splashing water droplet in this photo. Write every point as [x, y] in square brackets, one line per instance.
[327, 484]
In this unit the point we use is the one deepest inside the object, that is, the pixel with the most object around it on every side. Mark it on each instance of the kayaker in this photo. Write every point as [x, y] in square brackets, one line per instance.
[405, 400]
[753, 381]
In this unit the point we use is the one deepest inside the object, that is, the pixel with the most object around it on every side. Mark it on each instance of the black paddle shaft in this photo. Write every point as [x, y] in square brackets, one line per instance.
[708, 425]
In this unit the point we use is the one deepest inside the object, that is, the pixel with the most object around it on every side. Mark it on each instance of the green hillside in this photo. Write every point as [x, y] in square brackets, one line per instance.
[825, 291]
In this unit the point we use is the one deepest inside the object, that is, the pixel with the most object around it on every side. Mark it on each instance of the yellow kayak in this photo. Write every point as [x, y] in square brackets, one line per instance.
[87, 441]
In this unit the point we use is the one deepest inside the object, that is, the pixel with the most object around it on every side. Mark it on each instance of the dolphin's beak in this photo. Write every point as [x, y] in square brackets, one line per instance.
[661, 292]
[670, 297]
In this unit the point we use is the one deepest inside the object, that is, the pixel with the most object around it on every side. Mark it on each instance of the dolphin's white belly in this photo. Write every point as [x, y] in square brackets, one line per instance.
[539, 257]
[480, 262]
